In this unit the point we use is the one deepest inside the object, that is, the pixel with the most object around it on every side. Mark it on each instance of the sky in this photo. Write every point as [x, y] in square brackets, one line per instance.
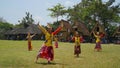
[14, 10]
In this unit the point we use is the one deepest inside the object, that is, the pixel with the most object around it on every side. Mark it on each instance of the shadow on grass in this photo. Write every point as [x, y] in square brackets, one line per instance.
[52, 63]
[79, 56]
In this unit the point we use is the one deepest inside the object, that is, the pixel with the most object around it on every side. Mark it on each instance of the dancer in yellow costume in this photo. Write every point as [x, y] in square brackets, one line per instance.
[98, 41]
[29, 37]
[47, 51]
[77, 48]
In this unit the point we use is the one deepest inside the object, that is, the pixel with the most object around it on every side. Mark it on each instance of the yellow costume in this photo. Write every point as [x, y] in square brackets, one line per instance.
[98, 42]
[77, 40]
[47, 51]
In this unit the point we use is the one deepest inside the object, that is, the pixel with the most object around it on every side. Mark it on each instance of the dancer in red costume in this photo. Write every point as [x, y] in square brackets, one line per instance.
[29, 37]
[47, 51]
[98, 37]
[77, 48]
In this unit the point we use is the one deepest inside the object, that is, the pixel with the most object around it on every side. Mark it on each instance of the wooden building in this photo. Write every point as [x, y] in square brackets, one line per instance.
[116, 35]
[21, 33]
[68, 30]
[98, 28]
[82, 29]
[64, 34]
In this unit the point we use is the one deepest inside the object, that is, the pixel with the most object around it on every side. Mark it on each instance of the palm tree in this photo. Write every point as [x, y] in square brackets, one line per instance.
[57, 10]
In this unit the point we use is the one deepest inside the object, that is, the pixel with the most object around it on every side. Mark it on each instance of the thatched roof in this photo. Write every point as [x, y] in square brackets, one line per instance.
[66, 25]
[32, 28]
[81, 28]
[98, 25]
[117, 32]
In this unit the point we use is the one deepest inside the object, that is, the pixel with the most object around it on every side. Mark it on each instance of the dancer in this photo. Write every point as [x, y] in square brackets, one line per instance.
[56, 41]
[29, 37]
[47, 51]
[98, 41]
[77, 48]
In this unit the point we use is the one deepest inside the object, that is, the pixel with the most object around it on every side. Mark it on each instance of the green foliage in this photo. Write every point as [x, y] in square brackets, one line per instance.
[57, 10]
[55, 25]
[14, 54]
[95, 9]
[111, 29]
[25, 21]
[4, 26]
[92, 11]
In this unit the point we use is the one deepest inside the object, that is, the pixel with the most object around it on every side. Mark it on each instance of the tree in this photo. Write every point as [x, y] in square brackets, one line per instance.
[2, 20]
[95, 11]
[57, 10]
[4, 26]
[26, 21]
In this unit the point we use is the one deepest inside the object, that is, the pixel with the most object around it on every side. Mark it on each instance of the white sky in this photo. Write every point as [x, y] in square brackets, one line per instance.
[14, 10]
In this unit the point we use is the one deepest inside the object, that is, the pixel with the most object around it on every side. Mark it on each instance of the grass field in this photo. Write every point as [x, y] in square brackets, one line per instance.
[14, 54]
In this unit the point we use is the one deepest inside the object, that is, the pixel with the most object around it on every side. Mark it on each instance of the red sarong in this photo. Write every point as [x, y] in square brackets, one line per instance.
[77, 49]
[46, 52]
[98, 46]
[56, 44]
[29, 46]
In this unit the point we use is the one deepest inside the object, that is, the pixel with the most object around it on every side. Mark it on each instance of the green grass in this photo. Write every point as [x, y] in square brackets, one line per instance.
[14, 54]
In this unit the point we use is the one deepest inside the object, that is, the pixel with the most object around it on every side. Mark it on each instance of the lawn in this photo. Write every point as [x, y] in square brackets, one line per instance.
[14, 54]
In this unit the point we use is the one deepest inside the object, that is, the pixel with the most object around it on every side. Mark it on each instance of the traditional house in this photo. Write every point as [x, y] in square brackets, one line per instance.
[98, 28]
[82, 29]
[21, 33]
[116, 35]
[64, 34]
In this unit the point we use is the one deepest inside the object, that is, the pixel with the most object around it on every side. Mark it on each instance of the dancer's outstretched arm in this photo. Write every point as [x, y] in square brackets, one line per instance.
[58, 29]
[42, 28]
